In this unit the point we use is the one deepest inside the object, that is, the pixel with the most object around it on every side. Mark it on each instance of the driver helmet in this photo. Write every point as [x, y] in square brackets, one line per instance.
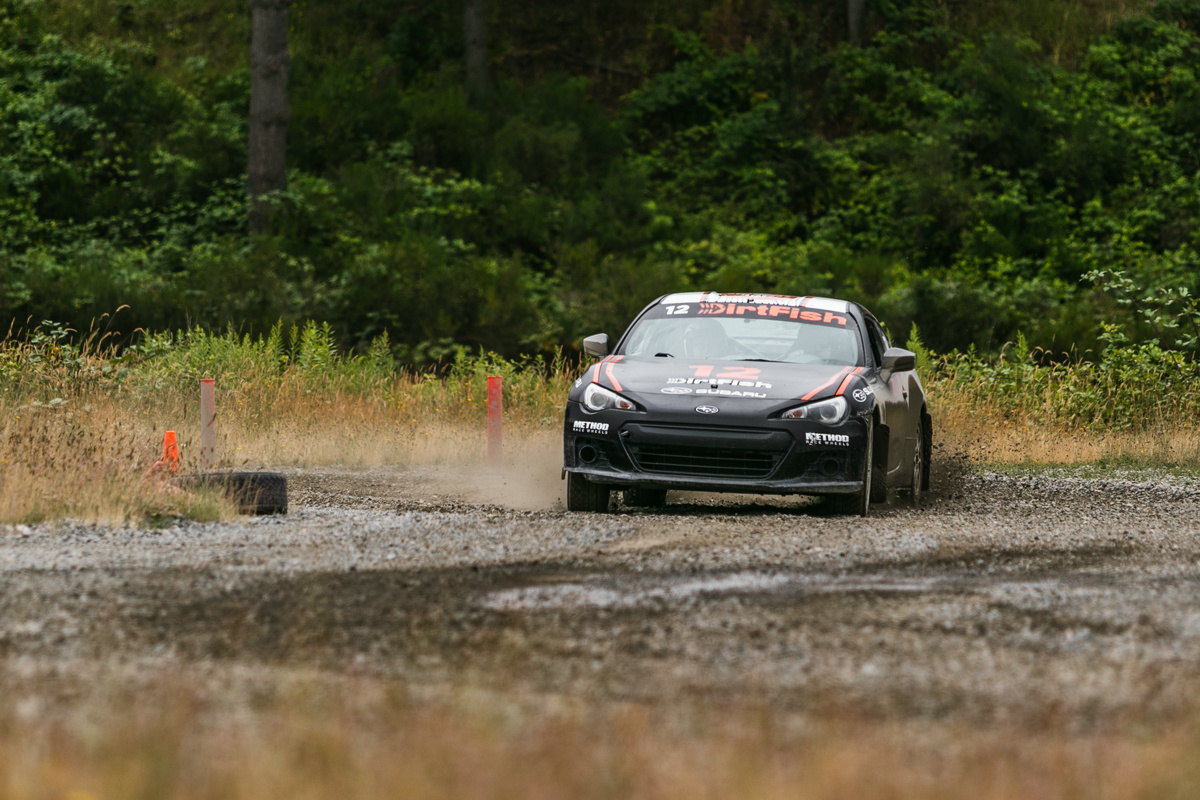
[704, 338]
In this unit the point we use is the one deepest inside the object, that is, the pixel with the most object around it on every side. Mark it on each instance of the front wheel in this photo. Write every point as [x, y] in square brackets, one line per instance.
[859, 503]
[919, 478]
[927, 444]
[583, 495]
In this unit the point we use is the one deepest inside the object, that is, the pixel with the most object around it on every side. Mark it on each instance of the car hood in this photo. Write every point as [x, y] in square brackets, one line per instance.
[673, 383]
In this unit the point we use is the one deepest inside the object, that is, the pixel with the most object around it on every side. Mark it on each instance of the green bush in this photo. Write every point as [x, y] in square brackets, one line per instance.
[1131, 386]
[963, 169]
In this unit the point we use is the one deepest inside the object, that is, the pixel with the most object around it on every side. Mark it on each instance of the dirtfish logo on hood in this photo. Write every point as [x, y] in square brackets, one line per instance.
[719, 382]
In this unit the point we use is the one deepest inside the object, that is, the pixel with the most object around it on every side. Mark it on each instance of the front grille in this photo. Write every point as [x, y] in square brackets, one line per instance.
[678, 459]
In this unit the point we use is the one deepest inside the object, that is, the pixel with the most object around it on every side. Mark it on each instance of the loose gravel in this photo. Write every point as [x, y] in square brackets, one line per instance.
[1021, 598]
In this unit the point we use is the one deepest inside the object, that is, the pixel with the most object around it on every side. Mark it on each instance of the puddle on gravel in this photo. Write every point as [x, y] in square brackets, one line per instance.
[580, 595]
[633, 594]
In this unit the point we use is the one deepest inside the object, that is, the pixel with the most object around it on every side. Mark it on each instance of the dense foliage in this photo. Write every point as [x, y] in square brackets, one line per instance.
[979, 174]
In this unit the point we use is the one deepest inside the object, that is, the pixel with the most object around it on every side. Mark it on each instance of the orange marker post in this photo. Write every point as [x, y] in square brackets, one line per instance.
[170, 456]
[495, 419]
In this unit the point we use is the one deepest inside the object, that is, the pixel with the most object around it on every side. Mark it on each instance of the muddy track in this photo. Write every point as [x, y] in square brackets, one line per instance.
[1020, 599]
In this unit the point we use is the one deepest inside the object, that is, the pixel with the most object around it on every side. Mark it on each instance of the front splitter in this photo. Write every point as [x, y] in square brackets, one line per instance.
[693, 483]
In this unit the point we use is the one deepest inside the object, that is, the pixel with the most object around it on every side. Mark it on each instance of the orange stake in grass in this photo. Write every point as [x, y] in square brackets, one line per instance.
[495, 419]
[170, 456]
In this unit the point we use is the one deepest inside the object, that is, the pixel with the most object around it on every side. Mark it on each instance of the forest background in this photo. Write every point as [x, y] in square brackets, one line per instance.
[981, 168]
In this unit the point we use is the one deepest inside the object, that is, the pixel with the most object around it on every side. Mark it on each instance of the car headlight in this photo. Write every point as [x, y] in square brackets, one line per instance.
[830, 412]
[597, 398]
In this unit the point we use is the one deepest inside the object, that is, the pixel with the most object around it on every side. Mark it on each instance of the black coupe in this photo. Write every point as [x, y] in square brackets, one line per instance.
[751, 393]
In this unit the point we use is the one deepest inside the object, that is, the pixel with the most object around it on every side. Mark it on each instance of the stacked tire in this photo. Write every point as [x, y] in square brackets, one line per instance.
[257, 493]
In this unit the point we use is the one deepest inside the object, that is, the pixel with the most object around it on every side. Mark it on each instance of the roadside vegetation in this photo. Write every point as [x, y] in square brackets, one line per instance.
[81, 418]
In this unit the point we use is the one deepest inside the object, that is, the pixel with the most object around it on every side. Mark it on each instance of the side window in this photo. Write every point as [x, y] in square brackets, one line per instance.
[879, 342]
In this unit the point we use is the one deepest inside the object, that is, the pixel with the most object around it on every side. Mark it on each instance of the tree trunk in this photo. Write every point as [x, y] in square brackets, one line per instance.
[854, 19]
[475, 30]
[266, 167]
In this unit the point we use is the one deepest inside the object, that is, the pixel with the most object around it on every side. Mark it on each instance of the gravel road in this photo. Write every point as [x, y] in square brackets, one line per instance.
[1029, 599]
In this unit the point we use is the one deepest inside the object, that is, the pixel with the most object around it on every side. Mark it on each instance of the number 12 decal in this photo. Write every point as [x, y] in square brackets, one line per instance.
[677, 309]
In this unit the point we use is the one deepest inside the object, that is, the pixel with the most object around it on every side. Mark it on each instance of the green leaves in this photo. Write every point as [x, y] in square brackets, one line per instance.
[950, 172]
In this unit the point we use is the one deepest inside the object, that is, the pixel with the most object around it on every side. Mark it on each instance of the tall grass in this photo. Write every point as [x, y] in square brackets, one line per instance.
[1132, 402]
[81, 419]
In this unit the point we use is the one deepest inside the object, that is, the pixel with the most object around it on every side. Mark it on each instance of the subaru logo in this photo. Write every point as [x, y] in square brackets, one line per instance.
[677, 390]
[707, 409]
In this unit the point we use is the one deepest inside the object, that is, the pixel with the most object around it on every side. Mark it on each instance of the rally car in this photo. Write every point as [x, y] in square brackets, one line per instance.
[752, 393]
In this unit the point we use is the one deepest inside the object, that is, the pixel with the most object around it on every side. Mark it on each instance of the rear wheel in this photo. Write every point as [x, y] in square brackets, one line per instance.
[583, 495]
[859, 503]
[643, 497]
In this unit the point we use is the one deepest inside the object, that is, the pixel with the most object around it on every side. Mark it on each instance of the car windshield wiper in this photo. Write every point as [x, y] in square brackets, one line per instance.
[768, 360]
[663, 355]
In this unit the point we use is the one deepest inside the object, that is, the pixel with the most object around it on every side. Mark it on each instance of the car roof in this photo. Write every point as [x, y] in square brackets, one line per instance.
[819, 303]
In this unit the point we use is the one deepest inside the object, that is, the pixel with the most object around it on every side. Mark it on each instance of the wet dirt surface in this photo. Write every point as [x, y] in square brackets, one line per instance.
[1020, 599]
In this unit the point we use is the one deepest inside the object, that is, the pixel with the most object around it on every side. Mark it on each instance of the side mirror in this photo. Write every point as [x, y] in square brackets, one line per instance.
[596, 345]
[896, 359]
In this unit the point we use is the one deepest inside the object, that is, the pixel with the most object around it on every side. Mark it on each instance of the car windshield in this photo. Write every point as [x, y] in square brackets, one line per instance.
[746, 332]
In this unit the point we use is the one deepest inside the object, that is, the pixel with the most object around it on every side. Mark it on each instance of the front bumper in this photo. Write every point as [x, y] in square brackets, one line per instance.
[768, 456]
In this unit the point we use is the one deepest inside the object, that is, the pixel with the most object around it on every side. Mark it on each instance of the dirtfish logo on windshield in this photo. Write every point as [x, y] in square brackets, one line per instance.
[771, 311]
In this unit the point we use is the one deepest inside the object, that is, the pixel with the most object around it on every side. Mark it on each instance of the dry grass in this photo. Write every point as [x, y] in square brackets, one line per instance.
[85, 457]
[87, 464]
[80, 424]
[987, 434]
[367, 739]
[1137, 407]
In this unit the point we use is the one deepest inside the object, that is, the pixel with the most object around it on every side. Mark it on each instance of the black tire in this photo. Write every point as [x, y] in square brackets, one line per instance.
[919, 479]
[583, 495]
[254, 492]
[916, 479]
[879, 489]
[644, 497]
[927, 443]
[859, 503]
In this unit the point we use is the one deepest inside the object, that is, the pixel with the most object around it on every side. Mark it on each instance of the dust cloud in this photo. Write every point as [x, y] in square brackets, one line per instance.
[529, 477]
